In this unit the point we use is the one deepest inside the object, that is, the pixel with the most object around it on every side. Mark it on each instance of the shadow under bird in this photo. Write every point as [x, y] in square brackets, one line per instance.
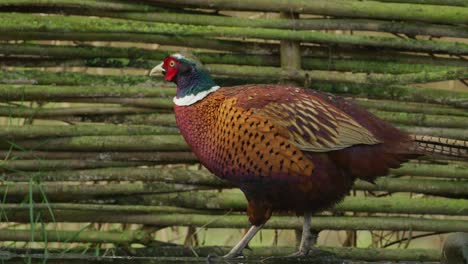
[287, 148]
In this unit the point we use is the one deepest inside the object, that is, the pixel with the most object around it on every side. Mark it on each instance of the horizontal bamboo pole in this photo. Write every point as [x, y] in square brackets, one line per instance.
[103, 208]
[27, 77]
[104, 143]
[180, 41]
[41, 92]
[432, 170]
[160, 119]
[308, 63]
[63, 236]
[275, 254]
[158, 157]
[182, 175]
[105, 93]
[209, 200]
[205, 202]
[389, 11]
[395, 106]
[63, 112]
[348, 253]
[240, 221]
[176, 175]
[150, 102]
[409, 28]
[108, 5]
[361, 78]
[390, 62]
[72, 192]
[457, 99]
[163, 119]
[430, 2]
[427, 206]
[454, 133]
[39, 166]
[406, 93]
[38, 131]
[423, 119]
[457, 189]
[55, 24]
[321, 223]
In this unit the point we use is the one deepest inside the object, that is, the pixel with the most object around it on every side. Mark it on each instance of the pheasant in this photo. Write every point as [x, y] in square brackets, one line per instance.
[287, 148]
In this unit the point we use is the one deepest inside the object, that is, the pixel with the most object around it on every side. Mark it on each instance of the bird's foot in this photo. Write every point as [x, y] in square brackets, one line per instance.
[304, 252]
[298, 254]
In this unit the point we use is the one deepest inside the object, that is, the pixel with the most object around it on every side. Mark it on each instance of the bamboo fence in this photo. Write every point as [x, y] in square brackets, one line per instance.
[88, 137]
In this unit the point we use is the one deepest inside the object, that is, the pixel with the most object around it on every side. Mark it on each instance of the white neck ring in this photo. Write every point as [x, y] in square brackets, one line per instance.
[193, 98]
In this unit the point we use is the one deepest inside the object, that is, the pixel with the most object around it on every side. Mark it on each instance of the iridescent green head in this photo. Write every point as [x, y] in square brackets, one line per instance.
[193, 81]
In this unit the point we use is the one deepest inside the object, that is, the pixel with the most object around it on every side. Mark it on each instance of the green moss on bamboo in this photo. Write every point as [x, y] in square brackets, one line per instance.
[28, 23]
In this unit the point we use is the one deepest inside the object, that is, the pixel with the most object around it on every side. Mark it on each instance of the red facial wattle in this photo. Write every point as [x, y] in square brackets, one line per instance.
[170, 74]
[170, 66]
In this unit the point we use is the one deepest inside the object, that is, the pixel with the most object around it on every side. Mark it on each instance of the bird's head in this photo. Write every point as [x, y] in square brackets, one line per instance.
[192, 80]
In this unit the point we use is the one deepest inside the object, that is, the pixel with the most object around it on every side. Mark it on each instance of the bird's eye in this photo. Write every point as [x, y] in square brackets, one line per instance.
[172, 64]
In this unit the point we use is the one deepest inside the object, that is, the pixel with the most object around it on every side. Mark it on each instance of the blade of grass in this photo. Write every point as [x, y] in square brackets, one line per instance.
[31, 208]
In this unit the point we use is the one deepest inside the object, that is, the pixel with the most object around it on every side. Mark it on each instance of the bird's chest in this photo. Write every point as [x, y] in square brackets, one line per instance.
[217, 137]
[198, 125]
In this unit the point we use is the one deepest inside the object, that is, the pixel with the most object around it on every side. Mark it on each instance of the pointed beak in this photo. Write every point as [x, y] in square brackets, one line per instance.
[157, 70]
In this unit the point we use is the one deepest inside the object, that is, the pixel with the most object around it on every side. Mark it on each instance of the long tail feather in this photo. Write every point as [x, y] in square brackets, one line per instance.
[429, 145]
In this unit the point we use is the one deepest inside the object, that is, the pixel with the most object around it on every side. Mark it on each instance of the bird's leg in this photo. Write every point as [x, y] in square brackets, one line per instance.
[306, 238]
[237, 249]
